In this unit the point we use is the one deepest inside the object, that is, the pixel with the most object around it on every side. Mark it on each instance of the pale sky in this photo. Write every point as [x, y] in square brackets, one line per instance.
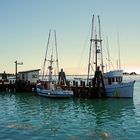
[24, 27]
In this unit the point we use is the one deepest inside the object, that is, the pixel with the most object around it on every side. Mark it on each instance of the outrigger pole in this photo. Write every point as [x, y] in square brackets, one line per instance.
[43, 69]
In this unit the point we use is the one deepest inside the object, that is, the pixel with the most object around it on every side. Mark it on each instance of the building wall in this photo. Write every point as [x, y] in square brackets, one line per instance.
[31, 76]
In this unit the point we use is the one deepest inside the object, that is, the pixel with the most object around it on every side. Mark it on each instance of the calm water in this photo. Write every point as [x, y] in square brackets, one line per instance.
[28, 116]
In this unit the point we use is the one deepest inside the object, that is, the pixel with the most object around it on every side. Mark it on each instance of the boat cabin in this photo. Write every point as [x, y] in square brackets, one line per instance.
[113, 77]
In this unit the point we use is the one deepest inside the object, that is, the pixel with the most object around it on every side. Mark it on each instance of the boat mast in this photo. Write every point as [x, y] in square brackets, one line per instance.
[97, 51]
[43, 69]
[100, 38]
[96, 47]
[89, 63]
[56, 52]
[50, 69]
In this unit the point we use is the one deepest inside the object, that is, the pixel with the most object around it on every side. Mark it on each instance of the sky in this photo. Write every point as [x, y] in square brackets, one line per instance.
[25, 25]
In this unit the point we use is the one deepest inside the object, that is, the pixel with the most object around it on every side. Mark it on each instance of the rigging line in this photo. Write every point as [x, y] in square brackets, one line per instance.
[100, 37]
[112, 63]
[109, 59]
[92, 68]
[80, 62]
[93, 55]
[56, 52]
[90, 48]
[52, 51]
[83, 50]
[108, 53]
[46, 55]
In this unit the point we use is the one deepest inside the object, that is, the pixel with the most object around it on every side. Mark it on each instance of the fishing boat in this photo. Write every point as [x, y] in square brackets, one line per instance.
[53, 92]
[51, 88]
[112, 82]
[116, 87]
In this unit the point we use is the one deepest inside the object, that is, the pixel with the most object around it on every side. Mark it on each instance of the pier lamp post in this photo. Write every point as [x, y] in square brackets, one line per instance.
[17, 63]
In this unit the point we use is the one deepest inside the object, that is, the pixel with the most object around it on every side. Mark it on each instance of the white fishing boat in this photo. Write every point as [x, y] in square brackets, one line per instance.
[116, 87]
[112, 80]
[53, 92]
[51, 88]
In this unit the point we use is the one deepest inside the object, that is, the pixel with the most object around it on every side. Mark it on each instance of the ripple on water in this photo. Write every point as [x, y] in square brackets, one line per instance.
[33, 117]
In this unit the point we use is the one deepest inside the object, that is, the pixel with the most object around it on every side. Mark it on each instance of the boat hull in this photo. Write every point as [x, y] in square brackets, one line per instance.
[55, 93]
[122, 90]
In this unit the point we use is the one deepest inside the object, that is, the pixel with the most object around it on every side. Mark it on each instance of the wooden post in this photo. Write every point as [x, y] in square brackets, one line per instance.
[98, 83]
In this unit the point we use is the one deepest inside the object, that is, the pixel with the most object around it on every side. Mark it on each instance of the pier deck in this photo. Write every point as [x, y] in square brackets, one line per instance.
[80, 91]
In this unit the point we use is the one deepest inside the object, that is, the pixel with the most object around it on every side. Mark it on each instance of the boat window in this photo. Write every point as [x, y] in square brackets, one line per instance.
[113, 79]
[109, 81]
[120, 79]
[117, 79]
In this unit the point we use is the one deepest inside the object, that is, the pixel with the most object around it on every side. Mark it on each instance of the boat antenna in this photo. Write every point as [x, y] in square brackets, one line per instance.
[91, 40]
[43, 70]
[100, 38]
[56, 52]
[119, 61]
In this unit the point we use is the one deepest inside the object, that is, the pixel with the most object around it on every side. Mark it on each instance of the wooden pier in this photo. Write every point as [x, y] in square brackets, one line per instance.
[80, 90]
[85, 91]
[93, 89]
[20, 86]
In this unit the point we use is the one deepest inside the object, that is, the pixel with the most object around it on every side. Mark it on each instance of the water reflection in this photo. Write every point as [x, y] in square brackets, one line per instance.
[41, 117]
